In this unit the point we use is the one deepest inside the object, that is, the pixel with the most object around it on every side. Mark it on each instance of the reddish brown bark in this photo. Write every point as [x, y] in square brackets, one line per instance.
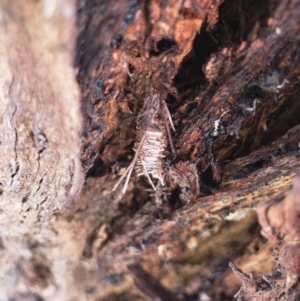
[236, 138]
[228, 71]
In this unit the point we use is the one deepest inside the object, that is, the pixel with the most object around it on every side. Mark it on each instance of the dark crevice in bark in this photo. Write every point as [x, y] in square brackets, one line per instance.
[237, 20]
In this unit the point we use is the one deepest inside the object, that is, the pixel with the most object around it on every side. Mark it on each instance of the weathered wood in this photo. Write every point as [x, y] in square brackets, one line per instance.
[236, 137]
[279, 218]
[39, 107]
[40, 124]
[228, 71]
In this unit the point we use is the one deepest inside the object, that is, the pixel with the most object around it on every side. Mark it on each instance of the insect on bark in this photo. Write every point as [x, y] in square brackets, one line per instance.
[152, 130]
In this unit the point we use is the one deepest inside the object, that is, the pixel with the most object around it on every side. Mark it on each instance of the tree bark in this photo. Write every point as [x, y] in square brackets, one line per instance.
[39, 141]
[228, 73]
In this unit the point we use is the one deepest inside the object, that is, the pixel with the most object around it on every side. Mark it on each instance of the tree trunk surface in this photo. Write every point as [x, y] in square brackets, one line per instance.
[223, 220]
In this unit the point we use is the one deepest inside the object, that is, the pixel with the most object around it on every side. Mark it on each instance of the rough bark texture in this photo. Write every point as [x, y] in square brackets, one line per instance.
[279, 218]
[39, 140]
[235, 66]
[228, 71]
